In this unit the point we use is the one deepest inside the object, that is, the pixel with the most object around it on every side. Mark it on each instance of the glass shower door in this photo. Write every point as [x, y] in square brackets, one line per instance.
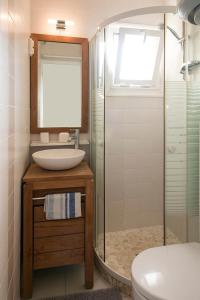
[97, 136]
[193, 131]
[175, 135]
[182, 103]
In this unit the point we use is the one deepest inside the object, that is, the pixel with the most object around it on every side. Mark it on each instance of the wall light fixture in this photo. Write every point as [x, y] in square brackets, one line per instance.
[61, 24]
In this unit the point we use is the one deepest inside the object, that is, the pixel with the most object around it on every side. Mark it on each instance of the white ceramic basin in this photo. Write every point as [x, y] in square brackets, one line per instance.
[58, 159]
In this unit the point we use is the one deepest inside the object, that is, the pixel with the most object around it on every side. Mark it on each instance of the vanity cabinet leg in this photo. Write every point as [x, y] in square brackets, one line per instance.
[89, 256]
[27, 247]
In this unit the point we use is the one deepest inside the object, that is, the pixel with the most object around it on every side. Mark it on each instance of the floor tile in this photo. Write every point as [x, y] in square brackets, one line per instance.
[75, 279]
[64, 281]
[49, 282]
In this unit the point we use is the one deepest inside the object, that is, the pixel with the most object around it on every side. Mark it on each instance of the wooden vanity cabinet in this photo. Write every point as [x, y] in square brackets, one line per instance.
[52, 243]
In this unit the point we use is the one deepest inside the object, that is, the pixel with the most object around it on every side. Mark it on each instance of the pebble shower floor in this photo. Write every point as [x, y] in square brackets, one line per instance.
[123, 246]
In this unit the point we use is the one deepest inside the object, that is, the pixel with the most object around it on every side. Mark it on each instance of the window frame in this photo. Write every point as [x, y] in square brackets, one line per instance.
[136, 31]
[144, 89]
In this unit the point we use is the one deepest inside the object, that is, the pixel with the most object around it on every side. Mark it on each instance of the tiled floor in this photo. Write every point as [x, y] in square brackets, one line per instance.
[63, 281]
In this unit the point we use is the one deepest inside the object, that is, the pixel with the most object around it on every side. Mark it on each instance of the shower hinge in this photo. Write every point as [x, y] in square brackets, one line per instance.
[31, 47]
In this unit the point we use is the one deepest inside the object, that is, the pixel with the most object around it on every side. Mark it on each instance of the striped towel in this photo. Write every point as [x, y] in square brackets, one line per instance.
[62, 206]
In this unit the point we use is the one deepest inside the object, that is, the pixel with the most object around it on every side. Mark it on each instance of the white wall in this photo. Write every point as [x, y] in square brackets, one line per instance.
[87, 14]
[14, 136]
[134, 162]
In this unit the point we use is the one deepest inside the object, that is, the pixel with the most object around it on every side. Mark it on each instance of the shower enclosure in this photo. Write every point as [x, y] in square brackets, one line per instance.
[145, 117]
[182, 103]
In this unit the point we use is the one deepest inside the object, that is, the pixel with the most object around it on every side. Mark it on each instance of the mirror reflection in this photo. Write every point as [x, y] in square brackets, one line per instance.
[59, 84]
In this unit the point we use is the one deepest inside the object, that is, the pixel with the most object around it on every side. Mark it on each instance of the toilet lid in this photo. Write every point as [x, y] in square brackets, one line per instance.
[168, 272]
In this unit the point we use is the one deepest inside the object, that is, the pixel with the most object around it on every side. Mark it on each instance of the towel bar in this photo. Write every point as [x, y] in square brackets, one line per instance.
[43, 198]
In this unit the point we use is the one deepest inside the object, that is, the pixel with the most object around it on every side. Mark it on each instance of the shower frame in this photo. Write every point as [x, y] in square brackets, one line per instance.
[101, 28]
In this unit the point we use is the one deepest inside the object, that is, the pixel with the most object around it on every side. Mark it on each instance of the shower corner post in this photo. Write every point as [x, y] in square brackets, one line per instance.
[164, 140]
[104, 133]
[97, 132]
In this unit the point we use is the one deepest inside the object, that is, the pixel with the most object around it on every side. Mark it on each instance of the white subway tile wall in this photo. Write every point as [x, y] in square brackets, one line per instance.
[176, 159]
[134, 162]
[14, 136]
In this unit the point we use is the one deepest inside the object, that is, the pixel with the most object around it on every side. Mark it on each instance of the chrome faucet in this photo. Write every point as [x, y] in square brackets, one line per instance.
[75, 138]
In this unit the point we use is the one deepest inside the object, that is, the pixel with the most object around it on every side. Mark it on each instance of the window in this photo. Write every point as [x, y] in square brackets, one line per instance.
[138, 57]
[134, 60]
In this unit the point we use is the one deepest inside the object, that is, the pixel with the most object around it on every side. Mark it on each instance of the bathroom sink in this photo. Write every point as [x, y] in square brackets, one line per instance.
[58, 159]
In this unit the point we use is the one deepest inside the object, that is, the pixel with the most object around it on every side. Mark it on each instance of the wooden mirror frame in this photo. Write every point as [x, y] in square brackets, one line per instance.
[34, 81]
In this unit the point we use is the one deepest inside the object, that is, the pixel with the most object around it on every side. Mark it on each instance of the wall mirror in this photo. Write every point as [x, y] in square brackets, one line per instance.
[59, 84]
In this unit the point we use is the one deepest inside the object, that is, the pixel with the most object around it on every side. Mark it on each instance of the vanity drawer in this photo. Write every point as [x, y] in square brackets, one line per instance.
[62, 227]
[58, 243]
[59, 258]
[39, 214]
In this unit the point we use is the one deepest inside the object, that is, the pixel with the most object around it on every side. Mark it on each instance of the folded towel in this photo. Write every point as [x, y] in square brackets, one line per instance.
[62, 206]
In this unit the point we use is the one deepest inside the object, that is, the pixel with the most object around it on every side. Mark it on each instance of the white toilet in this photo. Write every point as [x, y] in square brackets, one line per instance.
[167, 273]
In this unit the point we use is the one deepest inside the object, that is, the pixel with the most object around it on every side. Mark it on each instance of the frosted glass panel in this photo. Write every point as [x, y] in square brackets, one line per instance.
[97, 127]
[175, 163]
[193, 125]
[182, 97]
[175, 137]
[193, 132]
